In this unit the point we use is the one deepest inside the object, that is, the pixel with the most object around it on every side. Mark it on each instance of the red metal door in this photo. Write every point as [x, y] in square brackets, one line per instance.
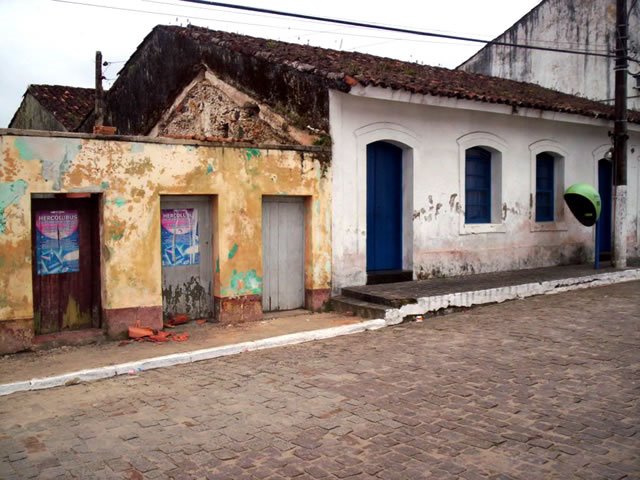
[66, 264]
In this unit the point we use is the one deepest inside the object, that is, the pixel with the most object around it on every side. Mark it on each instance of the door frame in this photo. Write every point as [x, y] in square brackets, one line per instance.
[212, 211]
[95, 220]
[304, 201]
[397, 188]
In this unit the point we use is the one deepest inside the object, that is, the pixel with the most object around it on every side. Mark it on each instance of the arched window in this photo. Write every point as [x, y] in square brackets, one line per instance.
[545, 187]
[480, 160]
[477, 185]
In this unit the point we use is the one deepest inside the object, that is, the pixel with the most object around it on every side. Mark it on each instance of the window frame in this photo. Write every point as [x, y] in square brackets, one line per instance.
[545, 174]
[498, 149]
[560, 160]
[478, 159]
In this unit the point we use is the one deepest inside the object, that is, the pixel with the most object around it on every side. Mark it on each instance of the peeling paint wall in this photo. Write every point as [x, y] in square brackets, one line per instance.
[435, 134]
[131, 178]
[208, 111]
[576, 24]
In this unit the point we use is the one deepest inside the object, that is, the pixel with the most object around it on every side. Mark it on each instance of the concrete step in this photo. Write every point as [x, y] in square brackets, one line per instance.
[380, 300]
[358, 307]
[389, 276]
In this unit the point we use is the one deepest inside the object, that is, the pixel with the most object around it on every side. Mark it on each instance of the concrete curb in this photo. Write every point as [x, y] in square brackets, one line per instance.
[434, 303]
[392, 317]
[186, 357]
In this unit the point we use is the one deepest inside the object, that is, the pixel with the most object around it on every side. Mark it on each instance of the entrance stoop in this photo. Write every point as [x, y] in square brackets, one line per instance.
[361, 308]
[398, 301]
[389, 276]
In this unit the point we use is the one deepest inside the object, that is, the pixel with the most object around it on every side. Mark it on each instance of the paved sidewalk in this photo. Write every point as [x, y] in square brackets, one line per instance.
[541, 388]
[45, 363]
[403, 293]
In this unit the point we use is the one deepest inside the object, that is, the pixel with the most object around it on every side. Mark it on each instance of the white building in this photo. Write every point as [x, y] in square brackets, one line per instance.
[565, 24]
[436, 137]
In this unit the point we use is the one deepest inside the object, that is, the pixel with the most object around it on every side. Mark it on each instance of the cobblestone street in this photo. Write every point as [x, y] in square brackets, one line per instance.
[546, 387]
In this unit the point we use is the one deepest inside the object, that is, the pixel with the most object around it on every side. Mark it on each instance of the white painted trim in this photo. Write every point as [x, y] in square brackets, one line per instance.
[467, 299]
[409, 142]
[464, 104]
[561, 155]
[186, 357]
[599, 153]
[393, 316]
[499, 148]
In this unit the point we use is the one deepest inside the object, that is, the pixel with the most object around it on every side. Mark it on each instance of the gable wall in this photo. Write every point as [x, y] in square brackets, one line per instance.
[168, 60]
[572, 24]
[31, 115]
[207, 111]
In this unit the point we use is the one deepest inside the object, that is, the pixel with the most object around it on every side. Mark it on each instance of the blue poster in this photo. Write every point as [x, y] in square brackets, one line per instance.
[180, 242]
[57, 242]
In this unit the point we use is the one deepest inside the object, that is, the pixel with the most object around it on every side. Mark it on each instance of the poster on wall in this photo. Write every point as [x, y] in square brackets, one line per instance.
[180, 242]
[57, 242]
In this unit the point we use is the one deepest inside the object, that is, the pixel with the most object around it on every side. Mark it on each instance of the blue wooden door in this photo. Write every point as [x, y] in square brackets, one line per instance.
[384, 207]
[605, 185]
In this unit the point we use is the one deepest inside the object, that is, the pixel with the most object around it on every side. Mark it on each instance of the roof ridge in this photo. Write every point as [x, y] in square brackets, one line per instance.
[344, 70]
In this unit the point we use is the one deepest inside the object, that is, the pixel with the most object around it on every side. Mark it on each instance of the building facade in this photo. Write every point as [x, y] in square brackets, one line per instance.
[480, 187]
[110, 233]
[256, 175]
[583, 25]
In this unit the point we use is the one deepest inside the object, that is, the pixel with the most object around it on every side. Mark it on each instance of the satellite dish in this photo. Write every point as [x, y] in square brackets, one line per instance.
[584, 202]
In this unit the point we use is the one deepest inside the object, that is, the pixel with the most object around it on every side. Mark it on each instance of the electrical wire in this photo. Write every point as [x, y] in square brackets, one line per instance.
[341, 22]
[217, 20]
[393, 29]
[612, 99]
[599, 47]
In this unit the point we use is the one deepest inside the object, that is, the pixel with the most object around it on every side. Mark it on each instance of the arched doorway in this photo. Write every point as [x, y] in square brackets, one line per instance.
[384, 207]
[604, 226]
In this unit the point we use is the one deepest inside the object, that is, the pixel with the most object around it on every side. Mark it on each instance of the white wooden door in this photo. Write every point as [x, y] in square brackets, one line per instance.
[283, 253]
[186, 249]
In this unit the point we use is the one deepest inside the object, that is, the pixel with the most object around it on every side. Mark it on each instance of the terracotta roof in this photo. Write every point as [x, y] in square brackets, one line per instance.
[353, 68]
[69, 105]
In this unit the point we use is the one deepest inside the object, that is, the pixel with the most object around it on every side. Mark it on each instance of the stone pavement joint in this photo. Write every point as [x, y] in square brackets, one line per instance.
[558, 280]
[540, 388]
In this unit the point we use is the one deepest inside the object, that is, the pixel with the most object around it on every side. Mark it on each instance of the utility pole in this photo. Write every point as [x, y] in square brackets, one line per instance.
[620, 138]
[99, 113]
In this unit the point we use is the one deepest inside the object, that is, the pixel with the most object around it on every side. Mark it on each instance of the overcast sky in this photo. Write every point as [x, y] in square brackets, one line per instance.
[54, 41]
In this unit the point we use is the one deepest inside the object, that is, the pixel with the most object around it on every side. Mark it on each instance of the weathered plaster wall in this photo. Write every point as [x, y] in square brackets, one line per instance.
[436, 134]
[573, 24]
[31, 115]
[169, 57]
[209, 112]
[131, 177]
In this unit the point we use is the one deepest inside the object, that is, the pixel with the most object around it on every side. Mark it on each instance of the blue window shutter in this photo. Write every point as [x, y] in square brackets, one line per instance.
[545, 187]
[477, 186]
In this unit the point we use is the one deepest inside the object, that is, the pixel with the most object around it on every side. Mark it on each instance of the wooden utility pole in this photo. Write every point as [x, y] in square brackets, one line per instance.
[99, 112]
[620, 138]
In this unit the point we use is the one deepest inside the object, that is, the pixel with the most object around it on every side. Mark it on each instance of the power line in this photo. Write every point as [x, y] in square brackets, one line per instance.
[381, 27]
[599, 47]
[612, 99]
[235, 22]
[392, 29]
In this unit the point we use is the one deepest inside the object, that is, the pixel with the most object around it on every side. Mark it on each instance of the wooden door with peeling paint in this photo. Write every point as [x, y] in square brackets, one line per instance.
[283, 253]
[66, 263]
[187, 252]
